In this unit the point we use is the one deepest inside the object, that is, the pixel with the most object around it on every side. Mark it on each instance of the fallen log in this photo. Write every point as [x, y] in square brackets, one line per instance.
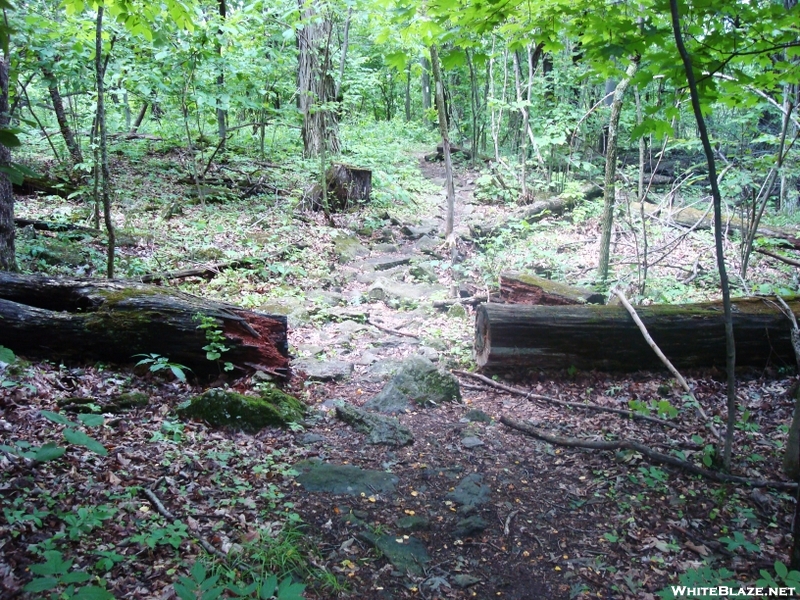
[52, 226]
[606, 337]
[87, 319]
[521, 288]
[688, 216]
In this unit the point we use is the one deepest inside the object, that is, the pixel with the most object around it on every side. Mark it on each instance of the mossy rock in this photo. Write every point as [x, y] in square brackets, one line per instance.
[249, 413]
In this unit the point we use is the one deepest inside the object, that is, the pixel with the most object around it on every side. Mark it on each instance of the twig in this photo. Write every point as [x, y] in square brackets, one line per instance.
[507, 524]
[471, 300]
[392, 331]
[596, 407]
[653, 455]
[788, 261]
[650, 342]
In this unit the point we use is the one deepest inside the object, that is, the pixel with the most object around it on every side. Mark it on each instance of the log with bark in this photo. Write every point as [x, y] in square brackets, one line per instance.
[88, 319]
[606, 337]
[522, 288]
[688, 216]
[32, 185]
[535, 211]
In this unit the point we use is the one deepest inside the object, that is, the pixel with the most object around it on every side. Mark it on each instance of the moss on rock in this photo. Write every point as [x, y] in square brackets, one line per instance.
[249, 413]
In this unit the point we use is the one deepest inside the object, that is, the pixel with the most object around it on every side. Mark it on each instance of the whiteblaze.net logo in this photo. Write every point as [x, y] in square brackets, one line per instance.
[723, 591]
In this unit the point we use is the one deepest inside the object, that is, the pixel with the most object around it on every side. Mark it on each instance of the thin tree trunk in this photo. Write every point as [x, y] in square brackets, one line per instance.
[426, 82]
[337, 94]
[139, 117]
[730, 345]
[408, 92]
[607, 223]
[448, 163]
[61, 116]
[7, 228]
[473, 98]
[101, 128]
[523, 177]
[222, 114]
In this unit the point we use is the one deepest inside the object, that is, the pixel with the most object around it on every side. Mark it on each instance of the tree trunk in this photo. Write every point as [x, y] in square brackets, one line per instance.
[426, 83]
[408, 93]
[522, 288]
[509, 337]
[316, 87]
[61, 116]
[344, 185]
[222, 114]
[105, 187]
[139, 117]
[609, 197]
[84, 319]
[448, 163]
[8, 260]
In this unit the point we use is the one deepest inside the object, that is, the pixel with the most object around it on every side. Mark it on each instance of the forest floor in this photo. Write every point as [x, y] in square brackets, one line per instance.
[545, 522]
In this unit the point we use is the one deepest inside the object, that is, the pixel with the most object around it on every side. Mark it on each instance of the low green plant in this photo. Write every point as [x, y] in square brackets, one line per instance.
[215, 347]
[55, 575]
[202, 585]
[172, 534]
[783, 578]
[72, 433]
[157, 363]
[739, 541]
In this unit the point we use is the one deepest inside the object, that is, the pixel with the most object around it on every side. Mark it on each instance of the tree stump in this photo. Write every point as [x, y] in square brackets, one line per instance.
[347, 186]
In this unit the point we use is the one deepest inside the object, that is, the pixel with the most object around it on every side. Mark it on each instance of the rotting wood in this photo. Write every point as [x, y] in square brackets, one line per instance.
[346, 185]
[577, 405]
[86, 319]
[646, 451]
[47, 226]
[470, 300]
[206, 272]
[606, 338]
[522, 288]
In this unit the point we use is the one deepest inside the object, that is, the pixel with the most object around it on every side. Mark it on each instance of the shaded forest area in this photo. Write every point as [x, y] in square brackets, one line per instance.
[398, 300]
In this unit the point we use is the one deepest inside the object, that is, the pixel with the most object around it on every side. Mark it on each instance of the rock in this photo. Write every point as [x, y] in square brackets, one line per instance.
[379, 429]
[311, 438]
[290, 306]
[384, 248]
[382, 263]
[476, 415]
[418, 383]
[413, 523]
[310, 349]
[427, 352]
[317, 476]
[127, 401]
[349, 313]
[471, 442]
[326, 298]
[407, 554]
[462, 580]
[470, 526]
[373, 276]
[457, 311]
[423, 273]
[347, 247]
[471, 492]
[382, 370]
[324, 370]
[366, 359]
[385, 289]
[427, 245]
[415, 233]
[220, 407]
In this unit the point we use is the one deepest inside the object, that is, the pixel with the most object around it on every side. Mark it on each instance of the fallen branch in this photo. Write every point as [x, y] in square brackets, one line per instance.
[207, 272]
[391, 331]
[653, 455]
[666, 361]
[471, 300]
[46, 226]
[788, 261]
[595, 407]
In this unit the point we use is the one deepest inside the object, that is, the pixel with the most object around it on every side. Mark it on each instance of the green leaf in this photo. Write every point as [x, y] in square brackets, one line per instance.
[79, 438]
[56, 418]
[50, 451]
[9, 139]
[41, 584]
[7, 355]
[179, 374]
[75, 577]
[780, 569]
[92, 420]
[92, 592]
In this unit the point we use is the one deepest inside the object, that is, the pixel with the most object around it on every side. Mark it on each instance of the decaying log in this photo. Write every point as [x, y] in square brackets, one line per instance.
[89, 319]
[535, 211]
[521, 288]
[652, 455]
[52, 187]
[48, 226]
[698, 219]
[606, 337]
[206, 272]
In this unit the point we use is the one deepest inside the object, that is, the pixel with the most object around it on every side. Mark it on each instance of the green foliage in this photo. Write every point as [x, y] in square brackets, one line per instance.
[215, 338]
[157, 363]
[171, 534]
[739, 541]
[201, 585]
[72, 434]
[55, 574]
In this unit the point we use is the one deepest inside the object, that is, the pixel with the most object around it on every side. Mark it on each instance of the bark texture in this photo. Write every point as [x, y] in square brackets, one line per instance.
[84, 319]
[522, 288]
[61, 116]
[7, 228]
[606, 337]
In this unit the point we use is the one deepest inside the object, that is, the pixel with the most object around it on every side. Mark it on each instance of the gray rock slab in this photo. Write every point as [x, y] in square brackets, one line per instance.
[418, 383]
[382, 370]
[414, 232]
[324, 370]
[427, 245]
[462, 580]
[317, 476]
[407, 555]
[349, 313]
[471, 491]
[385, 248]
[379, 429]
[382, 263]
[386, 289]
[326, 298]
[472, 442]
[348, 248]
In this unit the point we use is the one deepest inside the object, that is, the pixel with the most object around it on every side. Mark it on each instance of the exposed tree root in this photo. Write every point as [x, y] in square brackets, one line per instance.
[651, 454]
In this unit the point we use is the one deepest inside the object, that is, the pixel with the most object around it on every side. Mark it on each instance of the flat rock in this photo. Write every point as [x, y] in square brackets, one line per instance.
[418, 383]
[427, 245]
[326, 298]
[318, 476]
[348, 247]
[413, 523]
[382, 370]
[385, 248]
[471, 492]
[324, 370]
[387, 289]
[349, 313]
[407, 554]
[462, 580]
[373, 276]
[382, 263]
[472, 442]
[413, 232]
[378, 428]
